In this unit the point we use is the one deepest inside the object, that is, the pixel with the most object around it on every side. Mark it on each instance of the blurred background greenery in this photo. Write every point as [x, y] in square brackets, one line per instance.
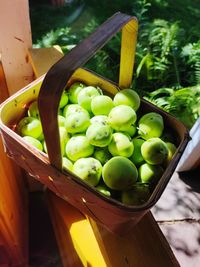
[167, 68]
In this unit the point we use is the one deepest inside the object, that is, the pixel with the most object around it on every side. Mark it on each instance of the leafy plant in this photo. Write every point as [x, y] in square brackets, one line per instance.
[61, 36]
[182, 103]
[159, 43]
[168, 47]
[191, 54]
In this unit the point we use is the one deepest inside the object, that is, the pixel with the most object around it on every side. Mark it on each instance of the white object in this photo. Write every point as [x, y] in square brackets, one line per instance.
[191, 155]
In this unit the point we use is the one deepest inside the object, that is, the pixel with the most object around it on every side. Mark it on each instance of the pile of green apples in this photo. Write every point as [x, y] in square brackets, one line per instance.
[104, 141]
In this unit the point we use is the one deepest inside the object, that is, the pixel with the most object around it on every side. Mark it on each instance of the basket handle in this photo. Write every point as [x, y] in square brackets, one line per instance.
[56, 78]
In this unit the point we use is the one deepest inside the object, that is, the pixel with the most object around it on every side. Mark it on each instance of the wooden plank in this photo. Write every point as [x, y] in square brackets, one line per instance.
[71, 223]
[4, 256]
[3, 86]
[127, 58]
[15, 72]
[13, 199]
[42, 59]
[68, 256]
[15, 36]
[144, 246]
[13, 210]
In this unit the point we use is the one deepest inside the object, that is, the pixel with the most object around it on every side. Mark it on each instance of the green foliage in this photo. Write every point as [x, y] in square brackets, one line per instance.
[191, 55]
[46, 18]
[156, 64]
[61, 36]
[182, 103]
[168, 47]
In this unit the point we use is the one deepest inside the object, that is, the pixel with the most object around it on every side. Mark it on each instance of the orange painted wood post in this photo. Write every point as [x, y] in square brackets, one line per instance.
[15, 73]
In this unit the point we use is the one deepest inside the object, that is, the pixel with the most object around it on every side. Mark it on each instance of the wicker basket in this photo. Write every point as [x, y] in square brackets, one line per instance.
[114, 215]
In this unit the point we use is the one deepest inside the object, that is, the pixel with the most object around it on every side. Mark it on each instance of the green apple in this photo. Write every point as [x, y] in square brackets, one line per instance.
[127, 97]
[77, 122]
[86, 95]
[102, 154]
[33, 141]
[64, 138]
[131, 130]
[154, 151]
[61, 121]
[67, 164]
[104, 190]
[73, 92]
[64, 99]
[60, 112]
[150, 173]
[102, 119]
[137, 157]
[41, 138]
[101, 105]
[138, 195]
[33, 110]
[121, 117]
[119, 173]
[29, 126]
[45, 147]
[89, 170]
[72, 108]
[150, 125]
[121, 145]
[99, 135]
[78, 147]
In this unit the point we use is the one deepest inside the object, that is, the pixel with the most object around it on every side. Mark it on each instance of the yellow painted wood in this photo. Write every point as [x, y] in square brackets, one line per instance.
[81, 233]
[127, 59]
[42, 59]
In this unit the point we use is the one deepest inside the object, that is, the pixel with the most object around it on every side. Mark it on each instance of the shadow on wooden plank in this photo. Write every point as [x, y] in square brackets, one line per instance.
[145, 246]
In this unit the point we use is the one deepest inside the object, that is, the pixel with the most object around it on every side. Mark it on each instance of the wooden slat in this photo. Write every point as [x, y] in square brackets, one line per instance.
[4, 256]
[13, 202]
[71, 223]
[3, 86]
[15, 36]
[144, 246]
[127, 58]
[15, 72]
[42, 59]
[13, 210]
[69, 256]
